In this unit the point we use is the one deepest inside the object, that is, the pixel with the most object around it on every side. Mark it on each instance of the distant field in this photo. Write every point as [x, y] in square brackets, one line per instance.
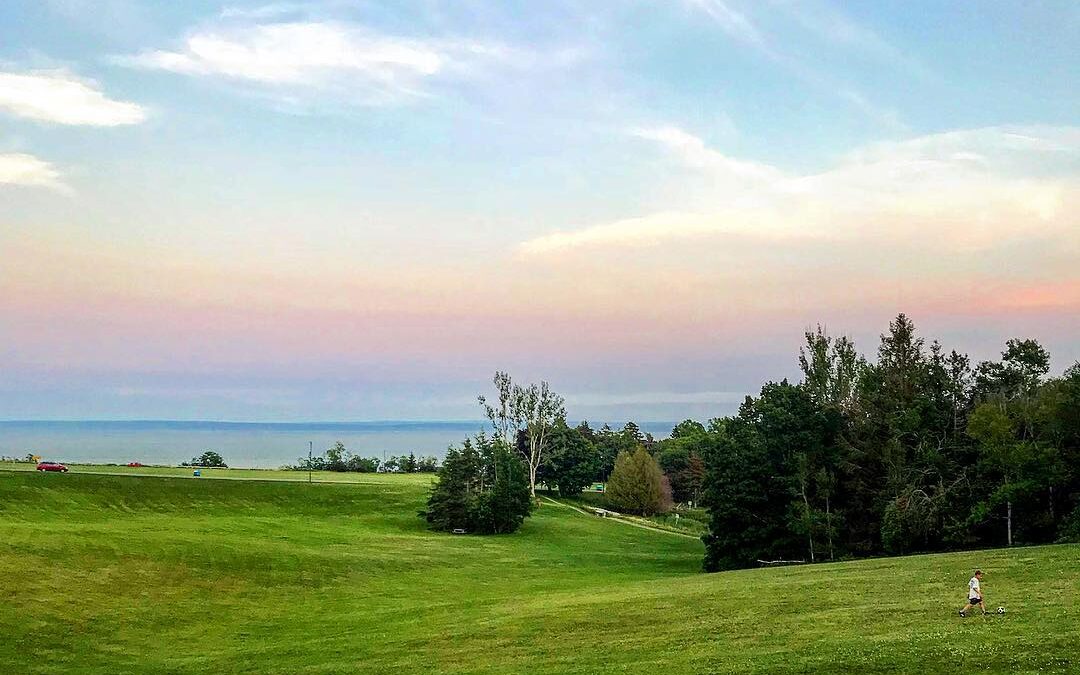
[107, 574]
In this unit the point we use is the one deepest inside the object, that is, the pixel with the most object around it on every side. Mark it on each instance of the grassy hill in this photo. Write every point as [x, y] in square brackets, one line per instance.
[120, 574]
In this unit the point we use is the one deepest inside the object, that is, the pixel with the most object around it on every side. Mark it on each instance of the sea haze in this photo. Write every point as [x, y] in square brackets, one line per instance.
[242, 444]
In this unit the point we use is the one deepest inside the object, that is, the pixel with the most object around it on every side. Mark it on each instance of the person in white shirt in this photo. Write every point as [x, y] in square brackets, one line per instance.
[975, 597]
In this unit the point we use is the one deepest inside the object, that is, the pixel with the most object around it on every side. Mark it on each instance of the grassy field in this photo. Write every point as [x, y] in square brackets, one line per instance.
[112, 574]
[234, 474]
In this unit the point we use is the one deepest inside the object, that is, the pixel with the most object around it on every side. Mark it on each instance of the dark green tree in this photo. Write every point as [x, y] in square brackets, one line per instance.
[452, 504]
[747, 503]
[503, 506]
[210, 459]
[571, 462]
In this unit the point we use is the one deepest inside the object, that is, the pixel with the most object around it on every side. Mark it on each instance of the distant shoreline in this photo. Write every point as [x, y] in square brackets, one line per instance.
[217, 424]
[264, 445]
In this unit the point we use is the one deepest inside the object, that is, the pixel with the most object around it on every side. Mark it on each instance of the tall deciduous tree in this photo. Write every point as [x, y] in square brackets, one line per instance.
[523, 417]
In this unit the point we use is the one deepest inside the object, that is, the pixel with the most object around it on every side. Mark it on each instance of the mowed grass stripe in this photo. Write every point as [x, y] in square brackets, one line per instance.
[108, 574]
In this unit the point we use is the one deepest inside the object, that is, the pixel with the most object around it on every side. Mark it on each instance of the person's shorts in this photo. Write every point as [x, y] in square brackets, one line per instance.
[974, 601]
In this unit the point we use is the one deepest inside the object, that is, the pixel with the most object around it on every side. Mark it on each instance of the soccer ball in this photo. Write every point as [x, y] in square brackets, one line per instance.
[1001, 610]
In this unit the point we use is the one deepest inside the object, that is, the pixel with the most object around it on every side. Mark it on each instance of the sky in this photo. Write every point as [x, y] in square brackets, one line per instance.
[360, 210]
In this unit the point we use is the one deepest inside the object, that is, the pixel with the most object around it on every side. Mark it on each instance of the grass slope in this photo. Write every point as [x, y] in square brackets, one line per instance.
[116, 574]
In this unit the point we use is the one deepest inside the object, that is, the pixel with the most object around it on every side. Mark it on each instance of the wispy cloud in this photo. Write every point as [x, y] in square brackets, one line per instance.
[59, 97]
[832, 25]
[23, 169]
[348, 59]
[646, 231]
[836, 27]
[733, 22]
[694, 153]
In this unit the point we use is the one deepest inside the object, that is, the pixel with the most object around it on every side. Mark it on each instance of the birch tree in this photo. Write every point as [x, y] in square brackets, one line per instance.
[523, 417]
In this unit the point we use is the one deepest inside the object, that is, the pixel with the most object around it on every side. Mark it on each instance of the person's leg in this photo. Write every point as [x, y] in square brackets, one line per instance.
[982, 606]
[964, 611]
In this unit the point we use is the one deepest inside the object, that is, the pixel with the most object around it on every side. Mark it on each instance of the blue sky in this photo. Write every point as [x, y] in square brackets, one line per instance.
[355, 210]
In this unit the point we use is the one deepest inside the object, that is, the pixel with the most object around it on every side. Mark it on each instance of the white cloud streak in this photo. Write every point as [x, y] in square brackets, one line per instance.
[346, 58]
[961, 190]
[694, 153]
[27, 170]
[59, 97]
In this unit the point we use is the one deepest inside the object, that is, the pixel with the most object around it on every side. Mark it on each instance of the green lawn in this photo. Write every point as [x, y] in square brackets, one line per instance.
[115, 574]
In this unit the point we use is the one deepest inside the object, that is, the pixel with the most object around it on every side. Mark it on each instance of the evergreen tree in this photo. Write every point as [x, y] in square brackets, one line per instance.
[635, 485]
[452, 504]
[503, 507]
[483, 488]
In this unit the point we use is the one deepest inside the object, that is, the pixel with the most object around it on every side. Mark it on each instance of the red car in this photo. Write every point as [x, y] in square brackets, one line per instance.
[135, 464]
[51, 466]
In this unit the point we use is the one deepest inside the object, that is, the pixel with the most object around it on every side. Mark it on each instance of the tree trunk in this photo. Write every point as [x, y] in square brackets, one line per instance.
[828, 525]
[809, 523]
[1008, 506]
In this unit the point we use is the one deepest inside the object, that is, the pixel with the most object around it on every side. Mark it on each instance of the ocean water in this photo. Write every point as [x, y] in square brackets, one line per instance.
[242, 444]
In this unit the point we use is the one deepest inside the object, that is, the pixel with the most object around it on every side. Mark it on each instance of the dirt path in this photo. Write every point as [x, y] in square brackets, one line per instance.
[620, 520]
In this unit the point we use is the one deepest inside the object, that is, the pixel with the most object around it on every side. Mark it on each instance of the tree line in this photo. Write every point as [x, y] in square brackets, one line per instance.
[914, 450]
[917, 450]
[338, 458]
